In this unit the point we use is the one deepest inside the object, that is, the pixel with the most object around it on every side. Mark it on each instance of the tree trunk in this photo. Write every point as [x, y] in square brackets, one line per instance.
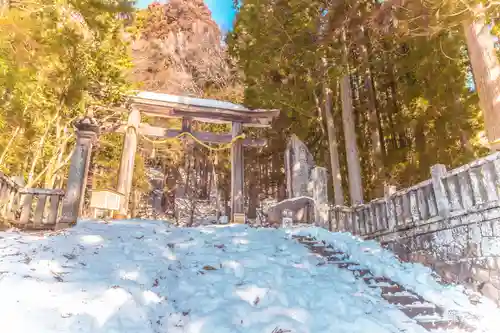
[11, 141]
[54, 163]
[38, 153]
[393, 98]
[353, 163]
[333, 146]
[227, 207]
[4, 7]
[486, 71]
[373, 121]
[421, 145]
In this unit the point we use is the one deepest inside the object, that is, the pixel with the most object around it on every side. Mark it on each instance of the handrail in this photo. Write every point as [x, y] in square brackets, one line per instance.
[29, 207]
[466, 188]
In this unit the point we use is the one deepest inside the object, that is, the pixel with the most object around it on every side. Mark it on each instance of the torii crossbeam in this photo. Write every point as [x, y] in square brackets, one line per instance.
[189, 109]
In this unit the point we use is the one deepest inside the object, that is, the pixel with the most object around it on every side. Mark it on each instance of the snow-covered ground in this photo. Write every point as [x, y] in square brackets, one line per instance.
[142, 277]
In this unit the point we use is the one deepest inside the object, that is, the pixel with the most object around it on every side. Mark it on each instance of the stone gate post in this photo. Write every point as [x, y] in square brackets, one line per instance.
[87, 131]
[127, 163]
[237, 174]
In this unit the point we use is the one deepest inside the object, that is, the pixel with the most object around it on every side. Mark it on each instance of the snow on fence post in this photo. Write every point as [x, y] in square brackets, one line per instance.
[407, 218]
[9, 197]
[373, 215]
[363, 218]
[333, 220]
[389, 190]
[422, 203]
[347, 217]
[356, 221]
[465, 189]
[452, 184]
[341, 218]
[477, 186]
[379, 215]
[369, 218]
[414, 209]
[438, 172]
[496, 172]
[489, 177]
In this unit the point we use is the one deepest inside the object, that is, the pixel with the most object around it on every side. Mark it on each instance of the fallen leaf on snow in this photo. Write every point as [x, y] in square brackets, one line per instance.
[209, 268]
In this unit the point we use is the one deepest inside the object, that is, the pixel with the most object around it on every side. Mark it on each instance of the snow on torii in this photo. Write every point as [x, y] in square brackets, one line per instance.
[188, 109]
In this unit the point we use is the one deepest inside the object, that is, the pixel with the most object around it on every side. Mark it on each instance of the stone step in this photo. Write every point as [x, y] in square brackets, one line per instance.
[358, 268]
[394, 288]
[343, 264]
[434, 324]
[319, 250]
[400, 298]
[426, 314]
[348, 265]
[385, 287]
[378, 280]
[414, 311]
[333, 252]
[335, 258]
[359, 273]
[305, 239]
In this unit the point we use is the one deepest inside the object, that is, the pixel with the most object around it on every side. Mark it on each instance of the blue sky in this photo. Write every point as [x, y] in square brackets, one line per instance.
[222, 11]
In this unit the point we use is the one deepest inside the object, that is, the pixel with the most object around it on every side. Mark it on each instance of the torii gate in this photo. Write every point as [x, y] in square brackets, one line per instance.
[189, 109]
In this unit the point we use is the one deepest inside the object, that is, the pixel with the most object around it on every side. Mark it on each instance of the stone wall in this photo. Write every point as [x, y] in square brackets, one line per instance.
[450, 223]
[464, 251]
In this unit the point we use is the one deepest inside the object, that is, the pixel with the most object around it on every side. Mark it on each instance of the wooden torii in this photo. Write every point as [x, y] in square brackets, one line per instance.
[188, 109]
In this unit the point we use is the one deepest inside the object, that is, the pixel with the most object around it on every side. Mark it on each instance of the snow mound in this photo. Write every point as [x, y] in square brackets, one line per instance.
[142, 277]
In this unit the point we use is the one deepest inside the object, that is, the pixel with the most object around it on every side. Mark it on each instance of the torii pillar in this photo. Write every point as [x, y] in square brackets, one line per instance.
[237, 173]
[126, 173]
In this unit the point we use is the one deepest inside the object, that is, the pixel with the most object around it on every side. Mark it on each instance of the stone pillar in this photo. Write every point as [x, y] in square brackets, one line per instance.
[319, 183]
[286, 218]
[87, 130]
[288, 172]
[126, 172]
[299, 162]
[237, 200]
[438, 171]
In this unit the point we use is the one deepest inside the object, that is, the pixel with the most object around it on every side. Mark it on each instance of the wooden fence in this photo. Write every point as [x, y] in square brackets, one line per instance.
[473, 187]
[28, 208]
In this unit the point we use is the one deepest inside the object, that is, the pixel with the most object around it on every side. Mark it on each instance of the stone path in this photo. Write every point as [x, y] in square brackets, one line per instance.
[425, 313]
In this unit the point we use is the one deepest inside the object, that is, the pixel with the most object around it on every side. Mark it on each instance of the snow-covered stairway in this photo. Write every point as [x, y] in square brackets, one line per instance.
[425, 313]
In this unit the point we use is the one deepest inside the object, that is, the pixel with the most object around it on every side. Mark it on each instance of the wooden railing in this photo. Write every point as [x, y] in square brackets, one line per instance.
[470, 188]
[30, 208]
